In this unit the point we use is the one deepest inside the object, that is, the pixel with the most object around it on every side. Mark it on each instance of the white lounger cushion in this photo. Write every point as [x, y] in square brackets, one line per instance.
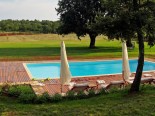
[148, 78]
[104, 85]
[80, 84]
[132, 78]
[100, 81]
[142, 80]
[130, 81]
[147, 75]
[116, 82]
[72, 83]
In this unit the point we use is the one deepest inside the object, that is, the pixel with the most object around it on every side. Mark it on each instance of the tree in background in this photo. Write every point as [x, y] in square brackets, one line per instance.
[34, 26]
[129, 19]
[76, 16]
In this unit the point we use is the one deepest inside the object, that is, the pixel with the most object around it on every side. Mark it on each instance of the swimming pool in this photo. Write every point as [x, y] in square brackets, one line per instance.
[88, 68]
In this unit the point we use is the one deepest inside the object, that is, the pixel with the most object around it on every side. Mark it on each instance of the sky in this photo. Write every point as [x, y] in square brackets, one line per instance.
[28, 9]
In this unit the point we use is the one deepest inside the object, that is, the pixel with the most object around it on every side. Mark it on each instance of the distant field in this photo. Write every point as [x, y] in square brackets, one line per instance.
[47, 46]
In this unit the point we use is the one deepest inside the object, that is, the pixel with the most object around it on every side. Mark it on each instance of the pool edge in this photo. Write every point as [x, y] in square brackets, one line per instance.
[27, 70]
[30, 75]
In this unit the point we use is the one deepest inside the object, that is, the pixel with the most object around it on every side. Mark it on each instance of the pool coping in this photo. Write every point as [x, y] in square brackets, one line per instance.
[31, 77]
[27, 70]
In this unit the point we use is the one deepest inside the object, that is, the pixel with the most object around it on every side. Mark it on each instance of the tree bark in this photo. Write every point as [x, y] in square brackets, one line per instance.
[136, 82]
[128, 42]
[92, 40]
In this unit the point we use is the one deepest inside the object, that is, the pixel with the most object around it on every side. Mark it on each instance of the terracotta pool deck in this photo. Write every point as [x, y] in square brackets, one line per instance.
[15, 73]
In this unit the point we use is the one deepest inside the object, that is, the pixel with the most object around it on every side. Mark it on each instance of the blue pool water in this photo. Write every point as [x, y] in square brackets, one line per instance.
[52, 70]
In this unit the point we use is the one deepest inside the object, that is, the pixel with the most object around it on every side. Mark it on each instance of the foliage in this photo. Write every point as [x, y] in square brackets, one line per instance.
[56, 98]
[35, 26]
[22, 92]
[5, 89]
[77, 15]
[81, 95]
[102, 91]
[27, 98]
[91, 92]
[119, 19]
[70, 95]
[0, 90]
[44, 98]
[129, 19]
[16, 90]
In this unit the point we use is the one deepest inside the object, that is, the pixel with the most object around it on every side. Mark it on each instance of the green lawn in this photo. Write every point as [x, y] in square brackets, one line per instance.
[47, 46]
[116, 103]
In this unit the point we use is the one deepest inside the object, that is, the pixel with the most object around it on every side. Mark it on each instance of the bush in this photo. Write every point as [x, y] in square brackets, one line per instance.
[13, 91]
[114, 89]
[0, 90]
[102, 91]
[25, 89]
[81, 95]
[5, 89]
[44, 98]
[24, 93]
[16, 90]
[27, 98]
[91, 92]
[57, 97]
[71, 95]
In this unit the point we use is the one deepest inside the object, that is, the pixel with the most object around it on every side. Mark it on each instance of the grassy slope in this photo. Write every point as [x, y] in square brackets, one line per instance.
[113, 104]
[47, 46]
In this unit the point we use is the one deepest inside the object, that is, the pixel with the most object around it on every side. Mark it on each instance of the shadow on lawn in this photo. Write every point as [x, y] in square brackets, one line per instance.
[54, 51]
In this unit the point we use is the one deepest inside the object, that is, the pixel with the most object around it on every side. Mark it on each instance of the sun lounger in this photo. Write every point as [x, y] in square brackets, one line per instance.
[130, 81]
[100, 83]
[79, 87]
[116, 83]
[147, 75]
[147, 80]
[143, 80]
[131, 78]
[105, 86]
[71, 85]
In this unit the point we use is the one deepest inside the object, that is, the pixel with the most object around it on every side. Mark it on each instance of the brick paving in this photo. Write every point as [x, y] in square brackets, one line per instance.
[13, 72]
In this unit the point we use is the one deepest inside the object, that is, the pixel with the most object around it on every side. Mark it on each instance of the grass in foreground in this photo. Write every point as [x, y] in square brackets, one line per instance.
[116, 103]
[47, 46]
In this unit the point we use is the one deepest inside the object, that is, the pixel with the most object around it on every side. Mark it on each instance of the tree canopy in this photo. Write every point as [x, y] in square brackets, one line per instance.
[128, 19]
[76, 16]
[119, 20]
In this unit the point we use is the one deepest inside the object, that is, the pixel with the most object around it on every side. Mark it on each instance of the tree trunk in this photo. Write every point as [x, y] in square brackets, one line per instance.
[128, 42]
[92, 40]
[136, 82]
